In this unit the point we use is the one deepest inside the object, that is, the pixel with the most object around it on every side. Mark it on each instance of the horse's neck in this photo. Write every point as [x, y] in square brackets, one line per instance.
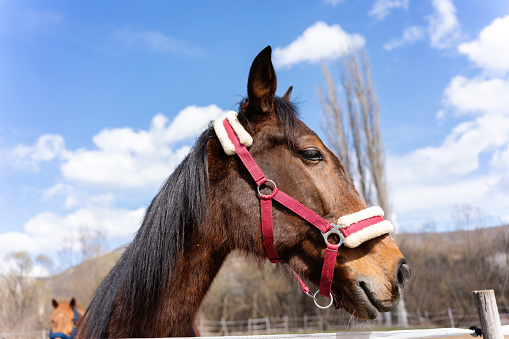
[191, 278]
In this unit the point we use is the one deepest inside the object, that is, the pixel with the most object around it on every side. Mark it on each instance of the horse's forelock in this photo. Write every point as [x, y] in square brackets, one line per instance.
[288, 116]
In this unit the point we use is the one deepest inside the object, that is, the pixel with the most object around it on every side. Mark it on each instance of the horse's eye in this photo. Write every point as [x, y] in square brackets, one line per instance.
[312, 154]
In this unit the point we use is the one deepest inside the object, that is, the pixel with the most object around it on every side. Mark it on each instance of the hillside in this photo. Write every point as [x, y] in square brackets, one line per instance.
[446, 267]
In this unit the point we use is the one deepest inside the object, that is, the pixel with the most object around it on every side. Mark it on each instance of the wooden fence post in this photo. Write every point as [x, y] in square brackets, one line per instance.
[451, 319]
[202, 325]
[224, 327]
[249, 326]
[305, 323]
[388, 319]
[287, 326]
[267, 325]
[426, 316]
[488, 314]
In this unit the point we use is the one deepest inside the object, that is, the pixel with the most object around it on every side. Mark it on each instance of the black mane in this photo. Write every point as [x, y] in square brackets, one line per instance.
[147, 262]
[141, 274]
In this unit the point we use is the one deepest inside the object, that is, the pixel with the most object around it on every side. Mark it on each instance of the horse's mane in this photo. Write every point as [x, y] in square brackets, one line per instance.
[142, 273]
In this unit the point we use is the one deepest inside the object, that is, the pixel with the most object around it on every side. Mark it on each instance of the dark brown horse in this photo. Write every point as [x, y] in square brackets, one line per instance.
[65, 319]
[209, 207]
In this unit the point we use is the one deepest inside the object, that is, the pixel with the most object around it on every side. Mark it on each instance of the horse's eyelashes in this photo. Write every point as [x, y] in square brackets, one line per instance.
[312, 154]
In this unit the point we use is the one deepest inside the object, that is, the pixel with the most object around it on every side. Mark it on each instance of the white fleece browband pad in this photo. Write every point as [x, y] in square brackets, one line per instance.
[244, 137]
[368, 232]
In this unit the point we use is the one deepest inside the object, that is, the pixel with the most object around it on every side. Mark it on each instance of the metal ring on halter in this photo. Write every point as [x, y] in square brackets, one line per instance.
[323, 307]
[335, 229]
[267, 195]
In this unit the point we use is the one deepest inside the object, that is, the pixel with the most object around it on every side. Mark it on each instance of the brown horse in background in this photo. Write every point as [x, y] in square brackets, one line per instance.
[65, 319]
[209, 207]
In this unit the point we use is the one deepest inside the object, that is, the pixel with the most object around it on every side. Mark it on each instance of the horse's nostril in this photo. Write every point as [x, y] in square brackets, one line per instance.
[404, 273]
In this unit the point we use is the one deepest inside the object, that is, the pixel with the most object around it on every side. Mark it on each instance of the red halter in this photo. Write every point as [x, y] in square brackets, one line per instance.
[353, 229]
[294, 206]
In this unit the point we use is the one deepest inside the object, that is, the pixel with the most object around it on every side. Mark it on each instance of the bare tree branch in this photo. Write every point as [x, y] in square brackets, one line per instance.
[356, 136]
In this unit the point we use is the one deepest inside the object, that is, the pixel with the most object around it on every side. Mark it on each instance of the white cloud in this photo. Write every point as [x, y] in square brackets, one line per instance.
[428, 181]
[74, 197]
[490, 50]
[333, 3]
[444, 27]
[382, 8]
[123, 160]
[105, 199]
[127, 158]
[154, 41]
[471, 164]
[410, 35]
[46, 148]
[478, 95]
[44, 231]
[458, 155]
[190, 121]
[500, 160]
[431, 200]
[440, 115]
[317, 42]
[122, 169]
[460, 152]
[124, 157]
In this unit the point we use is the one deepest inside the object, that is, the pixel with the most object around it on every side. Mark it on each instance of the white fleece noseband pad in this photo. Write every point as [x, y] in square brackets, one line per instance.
[364, 225]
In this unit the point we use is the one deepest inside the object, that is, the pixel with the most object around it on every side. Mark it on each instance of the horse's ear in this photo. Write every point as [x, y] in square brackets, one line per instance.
[287, 96]
[54, 303]
[72, 302]
[262, 83]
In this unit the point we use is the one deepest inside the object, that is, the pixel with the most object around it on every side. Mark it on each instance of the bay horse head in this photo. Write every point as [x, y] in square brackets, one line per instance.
[216, 201]
[65, 318]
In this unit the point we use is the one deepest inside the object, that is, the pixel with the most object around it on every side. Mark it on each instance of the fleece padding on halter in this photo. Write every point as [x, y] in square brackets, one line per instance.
[364, 225]
[244, 137]
[353, 229]
[356, 228]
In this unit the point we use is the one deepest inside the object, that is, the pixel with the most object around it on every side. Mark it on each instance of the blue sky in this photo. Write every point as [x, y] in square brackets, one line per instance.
[99, 101]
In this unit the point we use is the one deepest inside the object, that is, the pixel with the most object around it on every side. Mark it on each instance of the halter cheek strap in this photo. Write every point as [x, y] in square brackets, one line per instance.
[352, 229]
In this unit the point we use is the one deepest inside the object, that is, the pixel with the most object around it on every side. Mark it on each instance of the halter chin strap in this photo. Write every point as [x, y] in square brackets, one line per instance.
[63, 335]
[352, 229]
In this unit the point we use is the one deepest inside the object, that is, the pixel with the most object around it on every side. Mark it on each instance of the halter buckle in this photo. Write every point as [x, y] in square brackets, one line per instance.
[335, 229]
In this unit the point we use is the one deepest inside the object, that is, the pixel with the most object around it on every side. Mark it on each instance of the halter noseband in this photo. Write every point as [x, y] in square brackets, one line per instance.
[352, 229]
[63, 335]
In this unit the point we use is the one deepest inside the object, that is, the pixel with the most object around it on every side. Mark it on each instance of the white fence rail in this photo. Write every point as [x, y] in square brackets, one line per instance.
[452, 318]
[41, 334]
[402, 334]
[489, 318]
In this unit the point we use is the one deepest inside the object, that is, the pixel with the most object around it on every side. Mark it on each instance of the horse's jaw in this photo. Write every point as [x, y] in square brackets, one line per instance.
[366, 296]
[363, 303]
